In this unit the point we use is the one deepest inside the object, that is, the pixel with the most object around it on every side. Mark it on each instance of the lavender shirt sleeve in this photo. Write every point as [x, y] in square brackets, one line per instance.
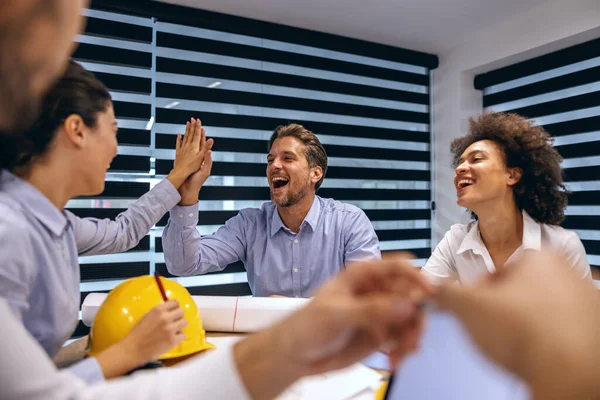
[187, 253]
[105, 236]
[361, 242]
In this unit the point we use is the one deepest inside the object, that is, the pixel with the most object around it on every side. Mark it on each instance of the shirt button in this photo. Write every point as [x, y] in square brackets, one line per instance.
[178, 244]
[295, 269]
[190, 215]
[180, 215]
[296, 241]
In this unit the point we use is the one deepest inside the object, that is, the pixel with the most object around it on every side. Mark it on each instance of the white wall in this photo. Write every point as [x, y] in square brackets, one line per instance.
[542, 30]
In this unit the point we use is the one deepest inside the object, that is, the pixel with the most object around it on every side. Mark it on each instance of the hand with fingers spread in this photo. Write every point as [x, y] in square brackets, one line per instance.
[364, 308]
[190, 152]
[190, 189]
[538, 319]
[156, 333]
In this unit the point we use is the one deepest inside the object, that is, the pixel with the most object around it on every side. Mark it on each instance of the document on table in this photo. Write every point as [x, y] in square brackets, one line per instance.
[344, 384]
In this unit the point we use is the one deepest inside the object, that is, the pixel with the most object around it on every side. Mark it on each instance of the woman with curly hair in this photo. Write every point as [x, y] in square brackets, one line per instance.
[509, 176]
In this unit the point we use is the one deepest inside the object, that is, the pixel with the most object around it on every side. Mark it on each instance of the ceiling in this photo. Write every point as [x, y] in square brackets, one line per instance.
[432, 26]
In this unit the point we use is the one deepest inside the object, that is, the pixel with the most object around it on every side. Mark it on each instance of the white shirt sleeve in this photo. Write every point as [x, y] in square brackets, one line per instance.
[27, 373]
[440, 267]
[576, 256]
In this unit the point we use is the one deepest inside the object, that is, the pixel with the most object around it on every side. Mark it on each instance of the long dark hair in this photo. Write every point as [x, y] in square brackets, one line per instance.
[77, 92]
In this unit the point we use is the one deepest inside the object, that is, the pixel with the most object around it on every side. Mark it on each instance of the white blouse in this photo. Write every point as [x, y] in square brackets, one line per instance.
[462, 256]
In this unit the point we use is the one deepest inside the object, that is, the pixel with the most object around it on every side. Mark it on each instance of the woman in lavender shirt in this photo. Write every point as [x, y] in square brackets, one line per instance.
[66, 154]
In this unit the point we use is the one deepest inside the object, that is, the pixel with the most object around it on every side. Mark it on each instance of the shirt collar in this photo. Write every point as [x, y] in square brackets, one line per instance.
[34, 202]
[311, 218]
[532, 237]
[472, 240]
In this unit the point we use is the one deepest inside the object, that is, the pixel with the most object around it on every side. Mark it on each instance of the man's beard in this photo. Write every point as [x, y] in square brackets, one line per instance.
[291, 198]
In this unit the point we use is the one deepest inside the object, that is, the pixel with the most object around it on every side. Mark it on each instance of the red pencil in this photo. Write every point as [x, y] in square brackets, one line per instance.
[160, 286]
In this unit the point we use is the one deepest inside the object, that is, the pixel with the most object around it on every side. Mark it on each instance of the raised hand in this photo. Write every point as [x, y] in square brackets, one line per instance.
[190, 189]
[190, 152]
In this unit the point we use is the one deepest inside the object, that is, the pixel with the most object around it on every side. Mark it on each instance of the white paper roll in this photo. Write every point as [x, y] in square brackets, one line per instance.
[217, 312]
[90, 306]
[256, 313]
[221, 313]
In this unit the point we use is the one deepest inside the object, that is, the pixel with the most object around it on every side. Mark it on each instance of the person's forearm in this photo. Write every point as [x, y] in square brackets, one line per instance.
[263, 365]
[105, 236]
[560, 369]
[561, 379]
[117, 360]
[71, 353]
[562, 387]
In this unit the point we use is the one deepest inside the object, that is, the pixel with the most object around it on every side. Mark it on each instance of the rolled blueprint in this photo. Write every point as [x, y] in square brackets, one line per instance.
[221, 313]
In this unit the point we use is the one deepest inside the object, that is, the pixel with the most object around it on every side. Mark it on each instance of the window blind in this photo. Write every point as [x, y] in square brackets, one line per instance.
[367, 103]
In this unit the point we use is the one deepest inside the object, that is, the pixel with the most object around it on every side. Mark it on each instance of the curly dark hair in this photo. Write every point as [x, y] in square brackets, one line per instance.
[541, 191]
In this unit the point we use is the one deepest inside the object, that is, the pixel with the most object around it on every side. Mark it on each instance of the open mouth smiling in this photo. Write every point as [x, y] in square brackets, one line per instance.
[279, 182]
[465, 182]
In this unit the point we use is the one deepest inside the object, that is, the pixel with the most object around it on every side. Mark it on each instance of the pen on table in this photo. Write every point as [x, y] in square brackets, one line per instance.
[160, 286]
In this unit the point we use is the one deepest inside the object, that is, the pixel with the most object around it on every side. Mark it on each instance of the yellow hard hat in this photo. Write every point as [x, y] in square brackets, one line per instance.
[128, 302]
